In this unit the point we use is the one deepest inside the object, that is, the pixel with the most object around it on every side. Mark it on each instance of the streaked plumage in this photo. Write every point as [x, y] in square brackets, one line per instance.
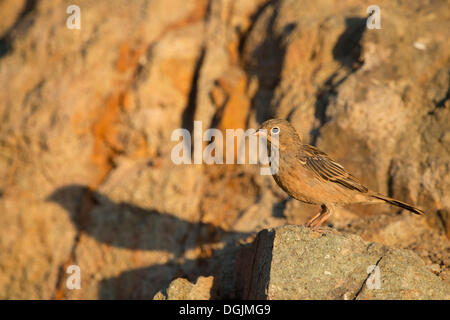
[310, 175]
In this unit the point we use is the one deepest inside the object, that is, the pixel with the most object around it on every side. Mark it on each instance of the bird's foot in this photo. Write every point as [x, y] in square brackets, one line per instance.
[319, 229]
[315, 222]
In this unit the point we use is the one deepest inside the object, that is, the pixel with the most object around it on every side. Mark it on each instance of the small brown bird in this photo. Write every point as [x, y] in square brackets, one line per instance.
[309, 175]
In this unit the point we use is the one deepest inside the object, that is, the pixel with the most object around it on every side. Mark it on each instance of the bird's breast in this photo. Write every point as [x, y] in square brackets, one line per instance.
[297, 181]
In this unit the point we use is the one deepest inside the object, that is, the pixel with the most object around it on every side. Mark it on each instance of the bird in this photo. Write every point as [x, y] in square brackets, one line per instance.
[309, 175]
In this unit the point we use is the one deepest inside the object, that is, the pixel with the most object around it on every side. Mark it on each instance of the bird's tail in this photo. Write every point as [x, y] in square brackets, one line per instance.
[399, 204]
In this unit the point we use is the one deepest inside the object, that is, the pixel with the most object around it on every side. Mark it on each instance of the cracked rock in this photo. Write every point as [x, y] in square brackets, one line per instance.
[293, 262]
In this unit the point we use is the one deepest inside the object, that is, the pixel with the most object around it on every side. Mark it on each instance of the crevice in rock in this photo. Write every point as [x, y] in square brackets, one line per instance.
[368, 276]
[24, 22]
[442, 219]
[324, 96]
[266, 62]
[188, 117]
[189, 111]
[441, 103]
[253, 18]
[390, 179]
[347, 51]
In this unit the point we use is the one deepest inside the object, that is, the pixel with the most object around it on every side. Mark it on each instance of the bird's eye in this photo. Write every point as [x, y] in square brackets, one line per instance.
[275, 130]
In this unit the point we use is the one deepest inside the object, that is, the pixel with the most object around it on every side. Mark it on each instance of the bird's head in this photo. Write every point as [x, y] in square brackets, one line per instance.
[287, 136]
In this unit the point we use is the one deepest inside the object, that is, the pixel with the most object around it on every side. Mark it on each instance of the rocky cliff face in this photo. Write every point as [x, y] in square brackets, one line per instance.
[87, 116]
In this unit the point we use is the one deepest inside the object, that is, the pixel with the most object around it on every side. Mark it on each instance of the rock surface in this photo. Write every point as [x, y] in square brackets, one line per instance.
[293, 262]
[182, 289]
[86, 118]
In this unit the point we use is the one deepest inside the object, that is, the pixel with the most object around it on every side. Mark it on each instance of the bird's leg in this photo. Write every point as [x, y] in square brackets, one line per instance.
[315, 222]
[309, 222]
[318, 223]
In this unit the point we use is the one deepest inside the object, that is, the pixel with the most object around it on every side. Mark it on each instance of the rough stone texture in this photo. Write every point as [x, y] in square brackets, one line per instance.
[293, 262]
[182, 289]
[86, 118]
[406, 232]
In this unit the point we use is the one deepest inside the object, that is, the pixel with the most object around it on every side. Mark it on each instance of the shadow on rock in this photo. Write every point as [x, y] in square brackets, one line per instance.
[125, 225]
[225, 265]
[265, 61]
[347, 49]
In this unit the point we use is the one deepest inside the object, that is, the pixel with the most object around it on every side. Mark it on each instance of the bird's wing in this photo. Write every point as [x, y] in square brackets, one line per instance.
[326, 168]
